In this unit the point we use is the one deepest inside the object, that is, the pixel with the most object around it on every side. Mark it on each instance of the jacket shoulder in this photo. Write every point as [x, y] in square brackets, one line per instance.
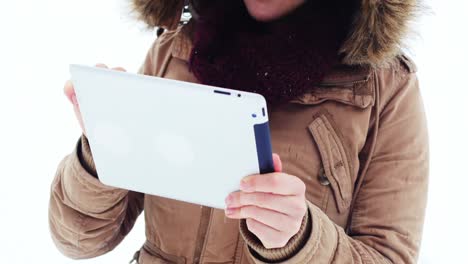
[158, 55]
[171, 43]
[398, 75]
[405, 61]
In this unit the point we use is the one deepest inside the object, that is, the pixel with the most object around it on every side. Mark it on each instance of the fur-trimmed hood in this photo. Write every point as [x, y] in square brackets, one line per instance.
[375, 37]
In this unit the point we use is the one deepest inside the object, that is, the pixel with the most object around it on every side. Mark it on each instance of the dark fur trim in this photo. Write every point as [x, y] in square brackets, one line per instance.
[375, 38]
[158, 13]
[378, 30]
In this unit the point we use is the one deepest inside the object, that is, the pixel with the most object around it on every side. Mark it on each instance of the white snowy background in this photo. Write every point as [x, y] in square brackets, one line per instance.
[38, 39]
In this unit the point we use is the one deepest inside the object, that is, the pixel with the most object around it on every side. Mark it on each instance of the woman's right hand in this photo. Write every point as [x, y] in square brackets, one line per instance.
[70, 94]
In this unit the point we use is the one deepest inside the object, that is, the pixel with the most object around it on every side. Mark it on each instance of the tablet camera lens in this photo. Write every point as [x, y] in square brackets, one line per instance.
[254, 115]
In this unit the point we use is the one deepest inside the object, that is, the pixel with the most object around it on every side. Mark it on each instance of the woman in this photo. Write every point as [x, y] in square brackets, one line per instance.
[347, 123]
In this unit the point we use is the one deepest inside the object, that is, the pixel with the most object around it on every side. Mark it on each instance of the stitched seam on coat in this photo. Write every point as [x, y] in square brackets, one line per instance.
[339, 186]
[199, 251]
[343, 148]
[354, 208]
[325, 193]
[206, 238]
[318, 137]
[346, 185]
[238, 251]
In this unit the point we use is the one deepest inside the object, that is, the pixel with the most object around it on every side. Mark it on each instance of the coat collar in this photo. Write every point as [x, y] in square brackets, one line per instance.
[376, 35]
[347, 84]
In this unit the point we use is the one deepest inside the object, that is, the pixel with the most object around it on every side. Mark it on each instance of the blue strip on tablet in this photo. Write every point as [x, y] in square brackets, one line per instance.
[264, 150]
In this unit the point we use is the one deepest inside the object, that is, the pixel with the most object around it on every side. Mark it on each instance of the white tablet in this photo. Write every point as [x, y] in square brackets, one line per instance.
[170, 138]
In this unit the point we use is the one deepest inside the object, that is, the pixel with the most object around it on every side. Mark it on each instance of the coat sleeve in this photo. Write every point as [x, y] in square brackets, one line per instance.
[388, 214]
[86, 217]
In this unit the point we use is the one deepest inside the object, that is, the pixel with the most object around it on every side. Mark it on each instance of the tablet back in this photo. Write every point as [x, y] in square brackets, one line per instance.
[169, 138]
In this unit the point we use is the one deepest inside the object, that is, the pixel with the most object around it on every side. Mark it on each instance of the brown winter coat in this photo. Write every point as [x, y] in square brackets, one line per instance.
[358, 140]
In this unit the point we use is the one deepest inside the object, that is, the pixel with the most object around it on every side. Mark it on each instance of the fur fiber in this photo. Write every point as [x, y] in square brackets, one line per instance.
[157, 13]
[378, 31]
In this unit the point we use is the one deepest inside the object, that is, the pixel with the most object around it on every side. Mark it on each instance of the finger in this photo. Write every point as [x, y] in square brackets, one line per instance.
[74, 100]
[269, 237]
[277, 182]
[68, 90]
[101, 65]
[273, 219]
[76, 108]
[119, 69]
[293, 206]
[277, 164]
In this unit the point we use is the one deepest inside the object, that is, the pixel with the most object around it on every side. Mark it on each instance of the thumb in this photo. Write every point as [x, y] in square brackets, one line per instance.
[277, 164]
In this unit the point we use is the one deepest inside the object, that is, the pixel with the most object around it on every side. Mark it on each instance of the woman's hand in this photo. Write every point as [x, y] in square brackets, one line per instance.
[70, 94]
[274, 205]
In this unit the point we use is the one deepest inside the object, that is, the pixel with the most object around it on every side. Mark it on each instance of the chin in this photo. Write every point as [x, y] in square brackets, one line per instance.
[269, 10]
[263, 17]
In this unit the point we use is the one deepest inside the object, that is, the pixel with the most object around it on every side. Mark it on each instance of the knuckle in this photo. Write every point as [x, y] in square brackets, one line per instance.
[297, 227]
[250, 199]
[261, 198]
[246, 199]
[247, 211]
[298, 208]
[301, 186]
[241, 197]
[268, 245]
[277, 243]
[253, 181]
[251, 225]
[281, 245]
[242, 213]
[283, 242]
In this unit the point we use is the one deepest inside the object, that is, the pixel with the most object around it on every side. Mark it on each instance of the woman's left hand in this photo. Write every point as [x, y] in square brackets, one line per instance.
[273, 203]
